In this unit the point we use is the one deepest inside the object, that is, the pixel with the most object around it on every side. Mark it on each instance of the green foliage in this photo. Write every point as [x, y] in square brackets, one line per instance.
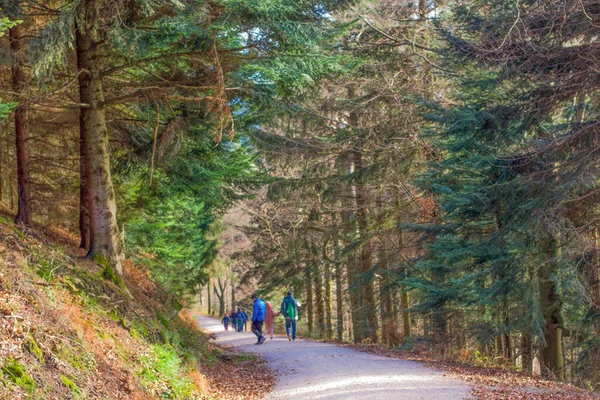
[15, 372]
[162, 372]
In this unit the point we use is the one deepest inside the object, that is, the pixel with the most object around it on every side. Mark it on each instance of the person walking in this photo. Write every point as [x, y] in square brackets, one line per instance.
[241, 319]
[234, 319]
[258, 317]
[289, 309]
[245, 317]
[226, 321]
[270, 320]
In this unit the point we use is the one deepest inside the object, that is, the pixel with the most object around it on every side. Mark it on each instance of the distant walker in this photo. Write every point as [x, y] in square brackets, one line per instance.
[289, 309]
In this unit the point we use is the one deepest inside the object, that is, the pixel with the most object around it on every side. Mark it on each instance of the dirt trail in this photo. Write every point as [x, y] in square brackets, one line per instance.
[311, 370]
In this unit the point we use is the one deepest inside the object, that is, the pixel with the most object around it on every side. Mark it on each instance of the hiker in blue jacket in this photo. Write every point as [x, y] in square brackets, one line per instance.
[241, 320]
[245, 318]
[259, 311]
[289, 309]
[234, 319]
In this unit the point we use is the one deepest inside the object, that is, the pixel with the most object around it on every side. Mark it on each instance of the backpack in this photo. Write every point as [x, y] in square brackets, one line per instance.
[290, 310]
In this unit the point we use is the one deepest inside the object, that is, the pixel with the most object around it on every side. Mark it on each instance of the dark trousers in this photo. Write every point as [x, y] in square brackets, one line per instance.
[257, 328]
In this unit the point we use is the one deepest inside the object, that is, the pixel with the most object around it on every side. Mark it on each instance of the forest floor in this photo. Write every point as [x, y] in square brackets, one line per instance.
[308, 369]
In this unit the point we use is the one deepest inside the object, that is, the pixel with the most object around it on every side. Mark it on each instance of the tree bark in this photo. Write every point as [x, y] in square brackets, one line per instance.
[328, 303]
[232, 295]
[24, 215]
[84, 199]
[208, 294]
[527, 353]
[368, 309]
[220, 293]
[309, 300]
[339, 294]
[349, 225]
[551, 355]
[422, 9]
[105, 238]
[319, 301]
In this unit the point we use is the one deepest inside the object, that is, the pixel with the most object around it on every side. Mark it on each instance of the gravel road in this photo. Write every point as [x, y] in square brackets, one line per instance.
[312, 370]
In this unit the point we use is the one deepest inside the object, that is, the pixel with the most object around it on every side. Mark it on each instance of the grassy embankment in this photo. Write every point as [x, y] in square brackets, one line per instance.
[70, 329]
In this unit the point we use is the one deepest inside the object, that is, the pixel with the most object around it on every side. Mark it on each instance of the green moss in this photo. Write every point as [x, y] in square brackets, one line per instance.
[101, 260]
[17, 375]
[109, 274]
[69, 384]
[32, 347]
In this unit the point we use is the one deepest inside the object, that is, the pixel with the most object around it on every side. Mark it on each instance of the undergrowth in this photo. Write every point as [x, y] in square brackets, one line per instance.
[72, 329]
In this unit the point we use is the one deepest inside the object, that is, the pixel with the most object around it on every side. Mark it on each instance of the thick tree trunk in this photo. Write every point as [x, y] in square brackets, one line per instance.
[105, 238]
[21, 136]
[551, 355]
[348, 208]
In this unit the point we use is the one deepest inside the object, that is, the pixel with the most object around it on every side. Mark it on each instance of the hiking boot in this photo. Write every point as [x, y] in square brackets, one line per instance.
[261, 340]
[289, 338]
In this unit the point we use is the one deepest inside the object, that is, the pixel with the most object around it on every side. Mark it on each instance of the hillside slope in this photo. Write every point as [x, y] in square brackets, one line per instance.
[69, 329]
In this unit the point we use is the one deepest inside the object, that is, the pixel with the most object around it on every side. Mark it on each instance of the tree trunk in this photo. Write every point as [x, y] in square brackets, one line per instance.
[422, 9]
[105, 239]
[84, 199]
[208, 301]
[404, 304]
[551, 355]
[348, 202]
[232, 295]
[21, 136]
[368, 314]
[319, 301]
[220, 293]
[3, 171]
[309, 300]
[527, 353]
[328, 303]
[339, 294]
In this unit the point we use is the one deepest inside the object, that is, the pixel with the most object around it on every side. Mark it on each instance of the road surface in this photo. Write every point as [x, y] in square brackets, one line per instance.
[312, 370]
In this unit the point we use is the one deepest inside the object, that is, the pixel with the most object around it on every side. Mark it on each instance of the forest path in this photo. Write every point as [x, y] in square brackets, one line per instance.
[312, 370]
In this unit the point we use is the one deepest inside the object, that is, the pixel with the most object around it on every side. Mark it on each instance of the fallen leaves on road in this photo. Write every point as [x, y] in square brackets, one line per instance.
[238, 376]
